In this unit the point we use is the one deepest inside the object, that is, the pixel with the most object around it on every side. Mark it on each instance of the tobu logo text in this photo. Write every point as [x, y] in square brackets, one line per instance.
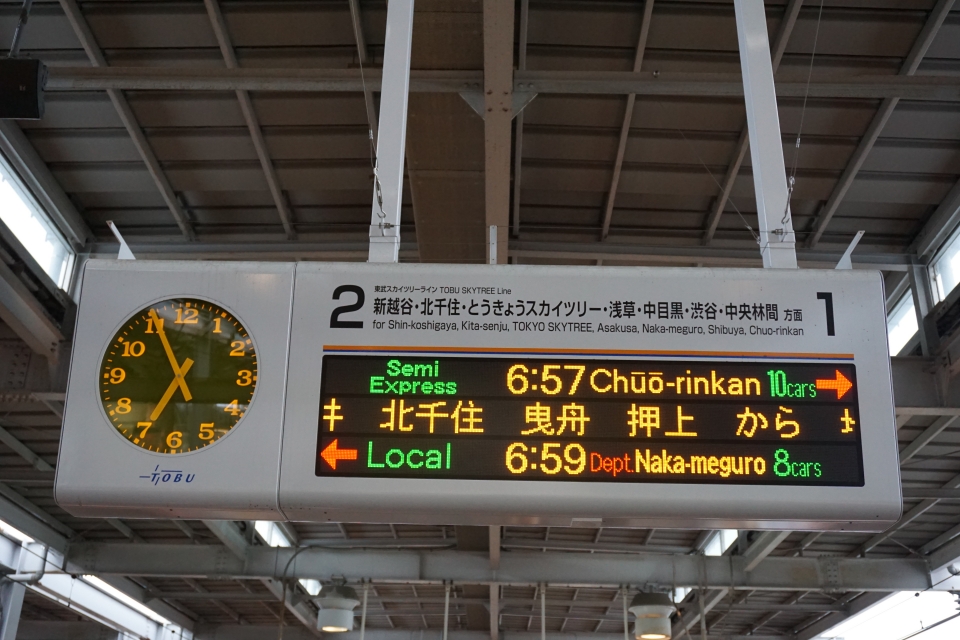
[169, 476]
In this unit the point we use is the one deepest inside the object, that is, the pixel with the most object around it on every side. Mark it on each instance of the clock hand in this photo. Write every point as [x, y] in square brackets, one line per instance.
[173, 360]
[168, 394]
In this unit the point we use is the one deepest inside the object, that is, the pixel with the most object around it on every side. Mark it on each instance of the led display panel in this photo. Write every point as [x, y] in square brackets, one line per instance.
[582, 420]
[613, 397]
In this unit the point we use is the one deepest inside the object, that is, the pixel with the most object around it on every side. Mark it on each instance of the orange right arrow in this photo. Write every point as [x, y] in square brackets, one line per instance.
[331, 454]
[841, 384]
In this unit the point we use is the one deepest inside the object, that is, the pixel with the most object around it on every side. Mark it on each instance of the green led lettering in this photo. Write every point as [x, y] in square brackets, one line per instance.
[370, 463]
[782, 465]
[433, 459]
[393, 368]
[786, 468]
[448, 455]
[451, 388]
[410, 462]
[399, 463]
[376, 382]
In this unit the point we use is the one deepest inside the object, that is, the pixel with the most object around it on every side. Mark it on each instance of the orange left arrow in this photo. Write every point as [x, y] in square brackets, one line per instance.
[331, 454]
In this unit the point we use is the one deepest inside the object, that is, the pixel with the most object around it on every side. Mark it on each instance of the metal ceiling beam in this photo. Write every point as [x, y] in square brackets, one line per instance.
[24, 451]
[913, 493]
[269, 632]
[82, 30]
[909, 67]
[810, 631]
[906, 519]
[712, 256]
[787, 23]
[788, 84]
[659, 254]
[21, 311]
[498, 16]
[29, 518]
[40, 525]
[438, 603]
[938, 226]
[250, 117]
[927, 436]
[946, 555]
[62, 630]
[521, 568]
[627, 119]
[38, 179]
[710, 600]
[762, 547]
[518, 135]
[240, 548]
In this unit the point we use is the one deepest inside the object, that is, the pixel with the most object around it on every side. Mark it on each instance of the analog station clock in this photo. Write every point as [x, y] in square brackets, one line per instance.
[178, 375]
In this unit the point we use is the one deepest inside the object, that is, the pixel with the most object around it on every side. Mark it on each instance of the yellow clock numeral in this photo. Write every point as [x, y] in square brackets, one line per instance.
[165, 386]
[150, 327]
[135, 349]
[190, 317]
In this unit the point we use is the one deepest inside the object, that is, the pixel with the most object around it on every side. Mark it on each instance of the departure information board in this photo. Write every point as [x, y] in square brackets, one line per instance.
[564, 419]
[511, 395]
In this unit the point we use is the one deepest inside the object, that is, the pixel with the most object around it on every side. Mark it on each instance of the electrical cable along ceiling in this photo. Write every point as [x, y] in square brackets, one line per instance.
[143, 127]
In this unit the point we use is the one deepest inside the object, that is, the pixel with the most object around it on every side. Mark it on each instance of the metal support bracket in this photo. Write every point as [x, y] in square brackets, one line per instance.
[845, 261]
[777, 239]
[477, 102]
[391, 141]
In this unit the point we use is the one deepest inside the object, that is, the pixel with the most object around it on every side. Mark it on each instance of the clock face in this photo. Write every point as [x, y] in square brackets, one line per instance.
[178, 375]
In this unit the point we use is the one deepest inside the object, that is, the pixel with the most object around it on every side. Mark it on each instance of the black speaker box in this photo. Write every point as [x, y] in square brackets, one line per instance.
[21, 88]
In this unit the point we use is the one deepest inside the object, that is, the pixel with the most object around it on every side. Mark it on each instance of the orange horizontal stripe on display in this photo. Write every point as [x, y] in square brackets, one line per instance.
[626, 352]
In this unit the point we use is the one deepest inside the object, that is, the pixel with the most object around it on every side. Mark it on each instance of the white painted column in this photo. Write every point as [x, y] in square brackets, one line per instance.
[11, 601]
[777, 240]
[391, 141]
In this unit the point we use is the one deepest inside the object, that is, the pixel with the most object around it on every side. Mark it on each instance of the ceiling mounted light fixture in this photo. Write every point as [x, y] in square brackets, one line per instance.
[336, 609]
[653, 611]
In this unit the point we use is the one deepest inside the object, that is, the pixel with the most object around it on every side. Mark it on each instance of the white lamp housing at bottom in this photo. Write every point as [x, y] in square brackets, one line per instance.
[336, 609]
[653, 611]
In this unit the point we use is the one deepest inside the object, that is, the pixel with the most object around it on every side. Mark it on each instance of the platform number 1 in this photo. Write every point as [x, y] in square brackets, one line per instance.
[828, 307]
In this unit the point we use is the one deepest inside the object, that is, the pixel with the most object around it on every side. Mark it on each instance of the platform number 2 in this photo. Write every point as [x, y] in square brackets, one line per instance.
[335, 321]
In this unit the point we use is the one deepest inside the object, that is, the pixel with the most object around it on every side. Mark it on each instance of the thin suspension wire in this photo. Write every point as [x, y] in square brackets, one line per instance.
[803, 111]
[374, 160]
[756, 237]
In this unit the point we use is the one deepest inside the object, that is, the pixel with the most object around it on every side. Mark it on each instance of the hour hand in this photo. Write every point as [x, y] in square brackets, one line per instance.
[171, 389]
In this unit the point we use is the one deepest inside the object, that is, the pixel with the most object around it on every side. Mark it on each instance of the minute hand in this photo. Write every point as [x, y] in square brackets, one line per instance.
[173, 360]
